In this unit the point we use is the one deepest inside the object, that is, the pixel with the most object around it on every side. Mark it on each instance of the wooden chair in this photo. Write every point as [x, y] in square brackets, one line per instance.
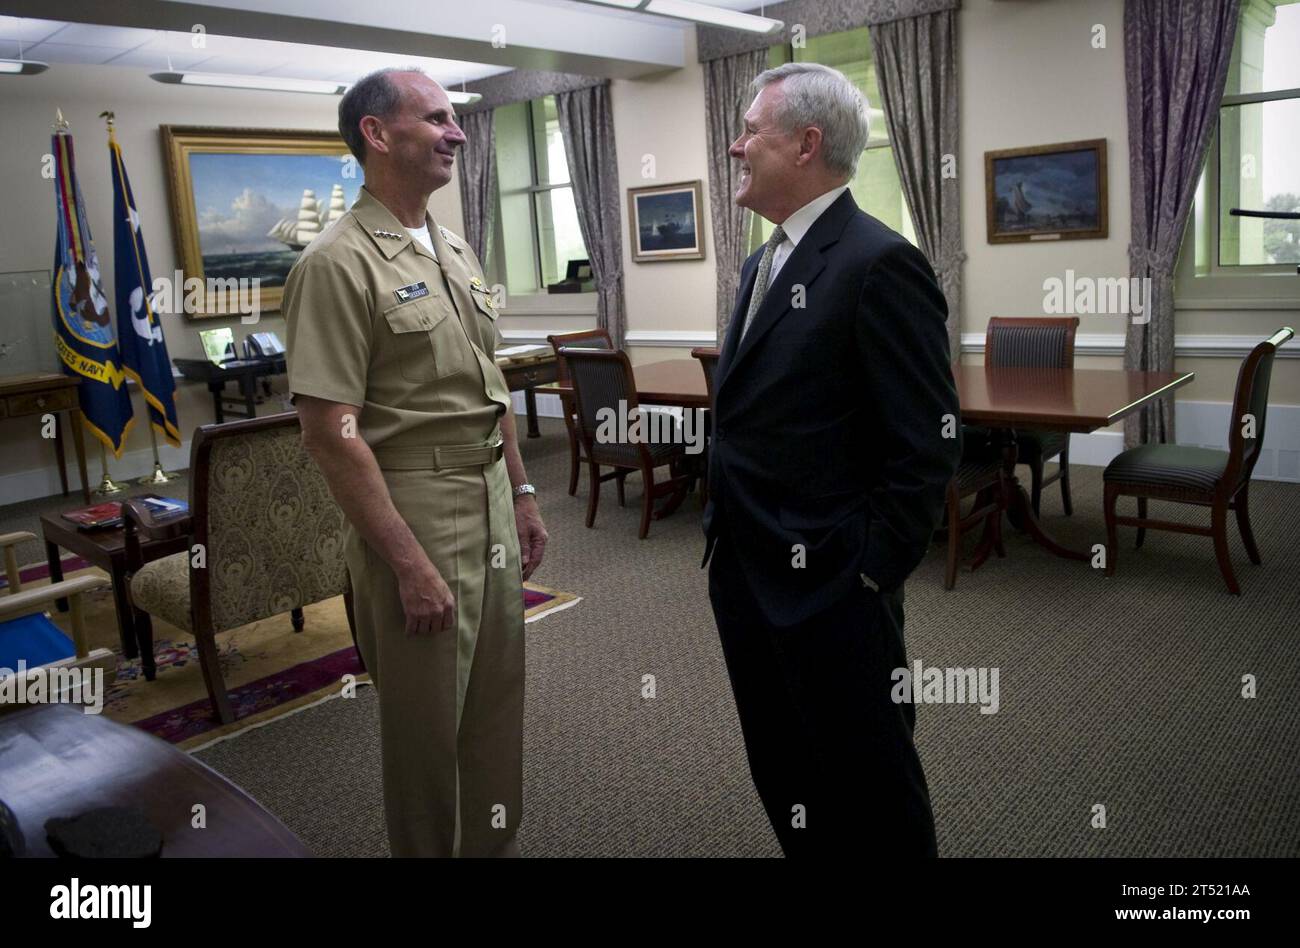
[23, 613]
[588, 339]
[1206, 477]
[1036, 342]
[602, 379]
[709, 364]
[266, 538]
[981, 474]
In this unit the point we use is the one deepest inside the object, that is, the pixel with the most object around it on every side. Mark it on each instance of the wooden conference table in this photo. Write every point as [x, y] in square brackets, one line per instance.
[1006, 399]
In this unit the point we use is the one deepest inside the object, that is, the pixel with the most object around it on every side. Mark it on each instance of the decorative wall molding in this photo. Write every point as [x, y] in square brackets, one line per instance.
[817, 17]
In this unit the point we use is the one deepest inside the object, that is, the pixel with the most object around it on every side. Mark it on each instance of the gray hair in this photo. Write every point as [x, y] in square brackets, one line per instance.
[372, 94]
[821, 96]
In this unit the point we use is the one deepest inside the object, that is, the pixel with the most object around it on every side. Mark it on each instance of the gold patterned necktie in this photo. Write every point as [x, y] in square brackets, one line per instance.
[764, 274]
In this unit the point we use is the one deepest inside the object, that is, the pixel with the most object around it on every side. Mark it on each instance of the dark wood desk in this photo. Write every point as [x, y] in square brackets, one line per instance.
[1075, 400]
[670, 382]
[107, 550]
[526, 375]
[243, 372]
[61, 762]
[39, 392]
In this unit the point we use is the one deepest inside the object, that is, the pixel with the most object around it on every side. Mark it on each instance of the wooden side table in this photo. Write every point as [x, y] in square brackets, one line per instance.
[107, 550]
[527, 375]
[37, 393]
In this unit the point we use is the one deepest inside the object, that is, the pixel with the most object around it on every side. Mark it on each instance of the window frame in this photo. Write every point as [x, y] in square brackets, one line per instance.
[1217, 286]
[500, 270]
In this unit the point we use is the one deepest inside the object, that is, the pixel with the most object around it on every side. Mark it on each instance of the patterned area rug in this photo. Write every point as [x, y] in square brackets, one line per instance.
[270, 670]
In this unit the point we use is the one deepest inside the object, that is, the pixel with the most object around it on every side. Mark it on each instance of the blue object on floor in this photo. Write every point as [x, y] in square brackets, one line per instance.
[34, 639]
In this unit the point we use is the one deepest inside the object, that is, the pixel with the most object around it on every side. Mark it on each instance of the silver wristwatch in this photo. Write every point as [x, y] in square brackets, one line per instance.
[523, 489]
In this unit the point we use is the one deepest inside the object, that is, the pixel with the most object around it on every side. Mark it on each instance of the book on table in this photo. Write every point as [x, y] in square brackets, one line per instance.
[108, 515]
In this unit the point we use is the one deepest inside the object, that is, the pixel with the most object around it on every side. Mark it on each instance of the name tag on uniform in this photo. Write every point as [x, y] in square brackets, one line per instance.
[410, 292]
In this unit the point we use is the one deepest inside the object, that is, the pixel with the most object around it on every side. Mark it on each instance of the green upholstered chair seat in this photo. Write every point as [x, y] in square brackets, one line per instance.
[1174, 466]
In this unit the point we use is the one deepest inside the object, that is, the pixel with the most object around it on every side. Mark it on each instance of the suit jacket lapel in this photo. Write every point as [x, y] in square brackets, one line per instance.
[802, 267]
[747, 278]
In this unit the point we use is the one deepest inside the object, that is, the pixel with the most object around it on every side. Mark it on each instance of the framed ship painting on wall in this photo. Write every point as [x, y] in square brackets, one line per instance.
[665, 222]
[245, 202]
[1048, 192]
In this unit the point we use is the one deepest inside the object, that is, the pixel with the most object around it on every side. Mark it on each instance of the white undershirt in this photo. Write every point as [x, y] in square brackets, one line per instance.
[422, 235]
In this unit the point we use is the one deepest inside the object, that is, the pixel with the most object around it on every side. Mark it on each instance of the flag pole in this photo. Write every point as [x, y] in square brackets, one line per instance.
[159, 476]
[107, 485]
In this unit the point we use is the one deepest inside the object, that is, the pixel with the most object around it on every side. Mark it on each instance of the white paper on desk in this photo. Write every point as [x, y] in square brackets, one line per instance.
[509, 352]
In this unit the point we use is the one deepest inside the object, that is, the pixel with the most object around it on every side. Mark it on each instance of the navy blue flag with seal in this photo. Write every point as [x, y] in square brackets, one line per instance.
[139, 330]
[83, 326]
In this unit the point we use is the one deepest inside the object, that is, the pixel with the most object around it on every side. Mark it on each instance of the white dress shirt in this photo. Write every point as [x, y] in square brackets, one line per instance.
[798, 224]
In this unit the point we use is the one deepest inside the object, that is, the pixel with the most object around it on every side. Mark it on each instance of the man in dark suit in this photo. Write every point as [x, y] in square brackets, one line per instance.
[833, 395]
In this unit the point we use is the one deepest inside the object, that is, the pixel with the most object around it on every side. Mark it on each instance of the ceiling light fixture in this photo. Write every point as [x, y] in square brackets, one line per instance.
[20, 66]
[697, 13]
[265, 83]
[278, 84]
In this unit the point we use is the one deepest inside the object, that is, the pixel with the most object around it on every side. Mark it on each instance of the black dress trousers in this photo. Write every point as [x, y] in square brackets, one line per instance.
[831, 755]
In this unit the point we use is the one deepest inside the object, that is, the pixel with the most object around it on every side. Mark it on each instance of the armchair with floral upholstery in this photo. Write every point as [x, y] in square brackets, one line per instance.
[266, 538]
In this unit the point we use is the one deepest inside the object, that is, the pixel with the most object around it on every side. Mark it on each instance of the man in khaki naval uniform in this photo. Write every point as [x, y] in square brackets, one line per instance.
[390, 357]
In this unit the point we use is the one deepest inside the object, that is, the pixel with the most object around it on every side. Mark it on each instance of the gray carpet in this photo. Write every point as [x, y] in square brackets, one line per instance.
[1123, 692]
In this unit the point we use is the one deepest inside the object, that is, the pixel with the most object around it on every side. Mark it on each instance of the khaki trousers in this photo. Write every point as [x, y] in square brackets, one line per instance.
[450, 704]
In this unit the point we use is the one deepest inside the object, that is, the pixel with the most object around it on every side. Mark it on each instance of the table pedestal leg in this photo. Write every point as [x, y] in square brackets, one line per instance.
[1019, 509]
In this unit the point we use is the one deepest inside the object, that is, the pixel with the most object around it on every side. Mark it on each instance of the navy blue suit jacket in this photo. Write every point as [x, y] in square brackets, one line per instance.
[829, 419]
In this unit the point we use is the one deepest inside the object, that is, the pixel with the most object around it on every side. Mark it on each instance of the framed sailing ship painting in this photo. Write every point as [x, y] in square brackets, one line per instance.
[665, 222]
[245, 202]
[1048, 192]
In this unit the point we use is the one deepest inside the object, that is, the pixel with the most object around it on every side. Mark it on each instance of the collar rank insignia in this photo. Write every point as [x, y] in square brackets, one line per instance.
[412, 291]
[387, 233]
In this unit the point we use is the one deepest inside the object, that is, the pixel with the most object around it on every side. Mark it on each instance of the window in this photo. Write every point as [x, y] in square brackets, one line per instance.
[875, 187]
[536, 232]
[1252, 164]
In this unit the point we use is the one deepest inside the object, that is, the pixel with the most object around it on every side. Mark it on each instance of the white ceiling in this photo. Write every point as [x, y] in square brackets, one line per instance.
[540, 34]
[54, 41]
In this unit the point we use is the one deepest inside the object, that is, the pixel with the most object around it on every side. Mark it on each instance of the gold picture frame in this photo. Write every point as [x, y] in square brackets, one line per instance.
[237, 175]
[666, 222]
[1047, 192]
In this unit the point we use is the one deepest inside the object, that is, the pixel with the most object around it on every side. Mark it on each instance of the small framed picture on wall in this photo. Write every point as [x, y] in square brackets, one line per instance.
[666, 222]
[1047, 192]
